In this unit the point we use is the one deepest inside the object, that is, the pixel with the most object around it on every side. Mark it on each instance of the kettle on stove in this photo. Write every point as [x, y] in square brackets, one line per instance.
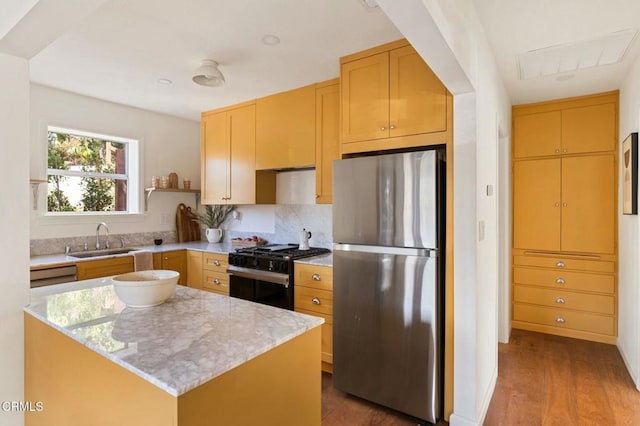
[304, 239]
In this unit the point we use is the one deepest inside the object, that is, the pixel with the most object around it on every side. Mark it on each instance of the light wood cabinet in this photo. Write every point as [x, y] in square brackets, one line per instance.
[575, 126]
[228, 158]
[194, 269]
[175, 260]
[215, 277]
[564, 217]
[104, 267]
[390, 92]
[327, 138]
[285, 129]
[314, 296]
[565, 204]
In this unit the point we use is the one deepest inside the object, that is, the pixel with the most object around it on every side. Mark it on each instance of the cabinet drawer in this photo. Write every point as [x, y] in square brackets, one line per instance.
[597, 303]
[305, 297]
[215, 262]
[320, 277]
[216, 281]
[569, 263]
[559, 279]
[563, 318]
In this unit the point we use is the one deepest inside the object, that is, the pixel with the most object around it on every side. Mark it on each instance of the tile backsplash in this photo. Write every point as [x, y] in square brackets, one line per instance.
[289, 221]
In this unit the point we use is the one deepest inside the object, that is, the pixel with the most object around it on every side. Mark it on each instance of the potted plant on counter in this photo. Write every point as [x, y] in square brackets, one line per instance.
[213, 218]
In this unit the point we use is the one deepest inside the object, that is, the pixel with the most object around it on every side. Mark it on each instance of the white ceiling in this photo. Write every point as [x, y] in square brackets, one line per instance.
[120, 50]
[514, 27]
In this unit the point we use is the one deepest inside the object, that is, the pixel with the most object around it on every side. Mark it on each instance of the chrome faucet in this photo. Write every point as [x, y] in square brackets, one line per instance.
[106, 241]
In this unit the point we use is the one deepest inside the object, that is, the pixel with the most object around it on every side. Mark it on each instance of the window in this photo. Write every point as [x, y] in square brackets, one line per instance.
[89, 173]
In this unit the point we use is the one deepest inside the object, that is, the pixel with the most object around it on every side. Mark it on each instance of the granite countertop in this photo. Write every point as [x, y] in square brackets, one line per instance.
[179, 345]
[322, 260]
[62, 259]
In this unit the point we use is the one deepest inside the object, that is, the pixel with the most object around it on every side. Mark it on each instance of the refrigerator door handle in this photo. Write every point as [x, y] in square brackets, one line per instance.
[401, 251]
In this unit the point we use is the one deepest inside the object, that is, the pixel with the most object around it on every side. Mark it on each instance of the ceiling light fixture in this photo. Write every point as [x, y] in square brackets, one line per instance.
[270, 40]
[208, 74]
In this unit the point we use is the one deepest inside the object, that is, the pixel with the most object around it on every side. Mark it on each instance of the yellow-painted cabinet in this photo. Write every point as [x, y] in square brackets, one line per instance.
[565, 204]
[175, 260]
[228, 158]
[314, 296]
[285, 129]
[104, 267]
[327, 138]
[390, 94]
[194, 269]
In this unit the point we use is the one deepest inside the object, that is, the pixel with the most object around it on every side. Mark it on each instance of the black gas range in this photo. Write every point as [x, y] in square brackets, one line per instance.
[264, 274]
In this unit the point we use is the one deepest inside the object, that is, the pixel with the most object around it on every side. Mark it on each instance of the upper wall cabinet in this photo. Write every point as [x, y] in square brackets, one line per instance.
[228, 158]
[573, 127]
[327, 137]
[285, 129]
[390, 92]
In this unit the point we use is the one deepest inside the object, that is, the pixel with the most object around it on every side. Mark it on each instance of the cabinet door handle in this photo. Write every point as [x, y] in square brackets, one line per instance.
[560, 264]
[564, 204]
[315, 277]
[165, 258]
[560, 300]
[216, 262]
[559, 280]
[393, 126]
[216, 281]
[557, 204]
[560, 320]
[564, 150]
[315, 301]
[557, 151]
[383, 128]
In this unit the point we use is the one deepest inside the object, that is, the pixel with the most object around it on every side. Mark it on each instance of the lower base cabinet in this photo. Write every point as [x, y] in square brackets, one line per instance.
[208, 271]
[175, 260]
[104, 267]
[314, 296]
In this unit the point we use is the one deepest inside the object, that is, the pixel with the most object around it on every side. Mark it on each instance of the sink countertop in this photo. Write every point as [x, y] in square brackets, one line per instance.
[179, 345]
[62, 259]
[321, 260]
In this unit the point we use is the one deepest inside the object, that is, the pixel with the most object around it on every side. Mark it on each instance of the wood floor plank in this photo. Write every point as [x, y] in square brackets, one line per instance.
[553, 380]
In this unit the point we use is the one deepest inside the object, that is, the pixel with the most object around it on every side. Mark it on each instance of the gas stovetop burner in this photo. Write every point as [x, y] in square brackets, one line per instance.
[272, 257]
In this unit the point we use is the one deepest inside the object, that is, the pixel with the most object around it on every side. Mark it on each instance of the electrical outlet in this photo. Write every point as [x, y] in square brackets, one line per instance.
[165, 219]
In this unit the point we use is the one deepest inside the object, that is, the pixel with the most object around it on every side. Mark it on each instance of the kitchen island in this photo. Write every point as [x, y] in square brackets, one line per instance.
[198, 359]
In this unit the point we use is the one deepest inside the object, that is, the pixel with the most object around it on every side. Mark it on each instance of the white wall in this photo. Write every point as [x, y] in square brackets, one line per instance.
[14, 228]
[168, 144]
[629, 238]
[476, 263]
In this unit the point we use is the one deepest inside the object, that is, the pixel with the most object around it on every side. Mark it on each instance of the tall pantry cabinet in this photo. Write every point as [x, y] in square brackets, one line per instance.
[564, 217]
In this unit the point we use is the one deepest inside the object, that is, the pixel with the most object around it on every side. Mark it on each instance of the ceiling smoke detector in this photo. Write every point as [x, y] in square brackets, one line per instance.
[369, 4]
[208, 74]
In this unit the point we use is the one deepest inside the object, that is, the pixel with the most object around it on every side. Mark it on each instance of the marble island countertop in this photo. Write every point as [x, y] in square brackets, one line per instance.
[179, 345]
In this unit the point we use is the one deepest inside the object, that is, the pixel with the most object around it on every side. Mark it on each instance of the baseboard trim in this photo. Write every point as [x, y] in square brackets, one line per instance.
[627, 364]
[458, 420]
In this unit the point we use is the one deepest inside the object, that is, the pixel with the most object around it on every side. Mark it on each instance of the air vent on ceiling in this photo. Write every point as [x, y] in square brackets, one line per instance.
[606, 50]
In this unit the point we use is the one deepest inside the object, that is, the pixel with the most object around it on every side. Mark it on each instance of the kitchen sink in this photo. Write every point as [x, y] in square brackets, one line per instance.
[105, 252]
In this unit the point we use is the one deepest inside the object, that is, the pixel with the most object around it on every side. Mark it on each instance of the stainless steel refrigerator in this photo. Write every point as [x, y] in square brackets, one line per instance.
[388, 232]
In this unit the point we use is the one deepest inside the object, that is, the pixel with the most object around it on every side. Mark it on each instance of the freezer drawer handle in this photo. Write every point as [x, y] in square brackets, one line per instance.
[400, 251]
[315, 301]
[315, 277]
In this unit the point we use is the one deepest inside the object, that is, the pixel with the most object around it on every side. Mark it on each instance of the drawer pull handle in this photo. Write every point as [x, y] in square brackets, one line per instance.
[216, 262]
[560, 320]
[216, 281]
[559, 280]
[315, 277]
[315, 301]
[560, 264]
[560, 300]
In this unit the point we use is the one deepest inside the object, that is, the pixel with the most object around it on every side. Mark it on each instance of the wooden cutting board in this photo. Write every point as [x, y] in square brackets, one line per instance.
[186, 226]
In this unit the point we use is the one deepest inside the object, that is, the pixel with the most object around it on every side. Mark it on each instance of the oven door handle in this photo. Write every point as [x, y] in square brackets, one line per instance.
[253, 274]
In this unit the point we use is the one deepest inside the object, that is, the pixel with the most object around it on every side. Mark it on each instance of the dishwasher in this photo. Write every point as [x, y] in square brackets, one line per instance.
[50, 276]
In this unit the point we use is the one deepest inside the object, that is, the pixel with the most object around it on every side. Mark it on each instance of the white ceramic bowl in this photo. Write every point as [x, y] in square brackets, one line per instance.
[142, 289]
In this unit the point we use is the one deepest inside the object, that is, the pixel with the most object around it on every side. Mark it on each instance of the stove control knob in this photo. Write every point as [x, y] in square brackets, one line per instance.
[255, 262]
[272, 265]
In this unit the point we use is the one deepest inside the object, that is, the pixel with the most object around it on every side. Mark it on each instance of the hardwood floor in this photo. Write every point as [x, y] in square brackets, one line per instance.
[552, 380]
[340, 409]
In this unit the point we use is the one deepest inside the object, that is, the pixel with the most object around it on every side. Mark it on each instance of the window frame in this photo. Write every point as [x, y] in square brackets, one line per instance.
[132, 176]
